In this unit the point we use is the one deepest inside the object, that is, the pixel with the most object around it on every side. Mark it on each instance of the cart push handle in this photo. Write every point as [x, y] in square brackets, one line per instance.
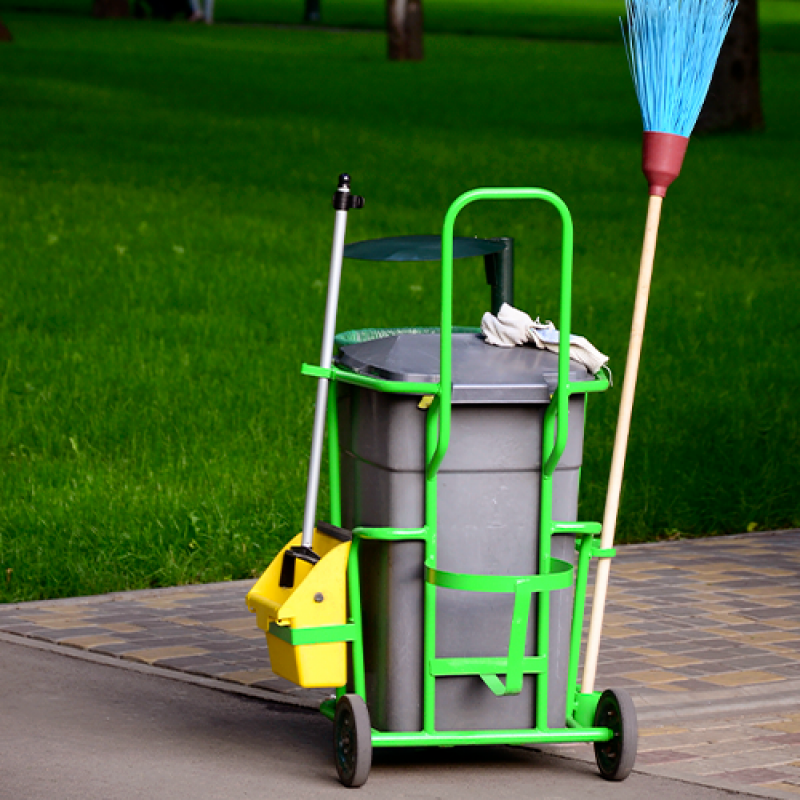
[445, 396]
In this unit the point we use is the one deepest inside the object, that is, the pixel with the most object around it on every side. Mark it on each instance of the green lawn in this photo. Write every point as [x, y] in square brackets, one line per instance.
[166, 224]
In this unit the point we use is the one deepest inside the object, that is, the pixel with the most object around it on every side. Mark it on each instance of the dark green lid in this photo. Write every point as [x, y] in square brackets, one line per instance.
[418, 248]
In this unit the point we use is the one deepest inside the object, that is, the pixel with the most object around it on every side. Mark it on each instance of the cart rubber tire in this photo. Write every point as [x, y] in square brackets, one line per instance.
[352, 740]
[616, 757]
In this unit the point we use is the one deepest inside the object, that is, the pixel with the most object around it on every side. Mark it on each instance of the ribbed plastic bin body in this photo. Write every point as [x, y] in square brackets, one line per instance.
[487, 522]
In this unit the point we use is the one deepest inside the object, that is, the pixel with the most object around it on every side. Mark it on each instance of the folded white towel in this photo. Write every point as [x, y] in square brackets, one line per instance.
[512, 327]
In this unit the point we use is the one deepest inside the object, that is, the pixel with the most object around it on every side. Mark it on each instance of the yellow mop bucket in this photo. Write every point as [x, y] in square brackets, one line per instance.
[306, 623]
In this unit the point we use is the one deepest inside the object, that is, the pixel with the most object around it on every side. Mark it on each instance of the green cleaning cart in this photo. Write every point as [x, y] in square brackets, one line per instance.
[445, 598]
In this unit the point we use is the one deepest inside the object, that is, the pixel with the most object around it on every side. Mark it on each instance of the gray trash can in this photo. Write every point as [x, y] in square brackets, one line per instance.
[488, 520]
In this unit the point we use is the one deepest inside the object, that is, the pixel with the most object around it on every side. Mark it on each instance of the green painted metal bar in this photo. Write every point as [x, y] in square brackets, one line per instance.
[561, 398]
[585, 710]
[328, 707]
[603, 552]
[389, 387]
[497, 665]
[549, 439]
[455, 738]
[578, 611]
[496, 686]
[543, 604]
[518, 637]
[575, 733]
[314, 371]
[391, 534]
[354, 593]
[429, 597]
[578, 528]
[558, 575]
[552, 451]
[545, 535]
[370, 382]
[600, 383]
[334, 478]
[554, 441]
[320, 634]
[446, 325]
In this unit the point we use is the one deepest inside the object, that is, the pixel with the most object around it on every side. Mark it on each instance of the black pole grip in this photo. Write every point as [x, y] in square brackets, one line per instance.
[343, 200]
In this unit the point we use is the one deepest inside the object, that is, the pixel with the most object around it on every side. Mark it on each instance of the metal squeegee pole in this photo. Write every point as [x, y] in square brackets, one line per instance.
[325, 360]
[621, 440]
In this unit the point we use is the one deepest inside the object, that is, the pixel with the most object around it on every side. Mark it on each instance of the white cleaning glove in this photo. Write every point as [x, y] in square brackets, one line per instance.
[513, 327]
[509, 328]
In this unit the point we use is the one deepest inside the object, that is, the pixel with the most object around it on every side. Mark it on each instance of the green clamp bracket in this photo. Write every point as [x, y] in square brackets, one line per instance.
[585, 533]
[321, 634]
[316, 372]
[579, 529]
[585, 707]
[523, 587]
[510, 688]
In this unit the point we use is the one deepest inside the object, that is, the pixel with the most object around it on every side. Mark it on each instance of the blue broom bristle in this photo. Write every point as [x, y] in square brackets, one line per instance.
[672, 48]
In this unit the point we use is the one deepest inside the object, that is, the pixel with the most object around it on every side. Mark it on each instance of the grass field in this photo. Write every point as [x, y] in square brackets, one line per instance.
[165, 217]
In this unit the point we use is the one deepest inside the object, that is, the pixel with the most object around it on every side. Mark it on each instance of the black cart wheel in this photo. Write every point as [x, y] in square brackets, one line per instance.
[352, 740]
[615, 758]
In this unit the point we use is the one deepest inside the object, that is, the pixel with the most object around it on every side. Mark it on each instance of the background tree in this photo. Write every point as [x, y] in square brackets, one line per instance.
[5, 33]
[312, 11]
[734, 99]
[110, 9]
[404, 29]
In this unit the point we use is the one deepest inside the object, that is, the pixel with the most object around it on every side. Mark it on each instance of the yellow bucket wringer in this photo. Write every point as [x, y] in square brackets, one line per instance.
[304, 622]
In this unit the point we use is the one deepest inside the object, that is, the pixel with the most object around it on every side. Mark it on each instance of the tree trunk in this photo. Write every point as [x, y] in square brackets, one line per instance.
[110, 9]
[734, 98]
[5, 34]
[404, 27]
[312, 11]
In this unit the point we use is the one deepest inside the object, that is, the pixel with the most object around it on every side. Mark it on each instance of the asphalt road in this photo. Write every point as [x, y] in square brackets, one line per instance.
[75, 729]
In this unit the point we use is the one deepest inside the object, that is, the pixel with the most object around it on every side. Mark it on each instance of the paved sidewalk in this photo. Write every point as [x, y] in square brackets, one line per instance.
[705, 634]
[77, 730]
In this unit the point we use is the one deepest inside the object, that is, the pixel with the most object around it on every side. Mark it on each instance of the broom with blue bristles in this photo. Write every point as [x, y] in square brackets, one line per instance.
[672, 48]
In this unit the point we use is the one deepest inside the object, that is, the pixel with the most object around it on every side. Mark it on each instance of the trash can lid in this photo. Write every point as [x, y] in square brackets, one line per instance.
[419, 248]
[481, 373]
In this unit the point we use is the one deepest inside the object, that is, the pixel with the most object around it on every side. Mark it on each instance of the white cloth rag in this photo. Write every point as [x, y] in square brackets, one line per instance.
[512, 327]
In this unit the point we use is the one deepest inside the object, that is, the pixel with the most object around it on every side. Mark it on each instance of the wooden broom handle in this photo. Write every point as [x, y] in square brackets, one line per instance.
[621, 440]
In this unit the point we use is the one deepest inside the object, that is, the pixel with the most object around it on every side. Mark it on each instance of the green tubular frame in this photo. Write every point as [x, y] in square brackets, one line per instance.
[552, 573]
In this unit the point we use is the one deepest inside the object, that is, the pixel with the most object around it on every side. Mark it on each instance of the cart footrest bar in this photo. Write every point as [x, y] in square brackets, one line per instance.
[322, 634]
[455, 738]
[449, 667]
